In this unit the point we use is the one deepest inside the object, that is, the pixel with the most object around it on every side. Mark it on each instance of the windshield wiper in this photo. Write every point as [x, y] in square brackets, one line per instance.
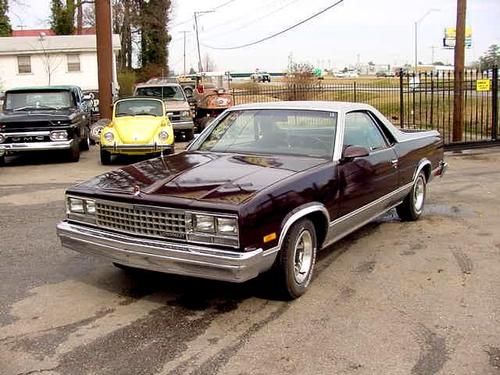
[33, 107]
[125, 114]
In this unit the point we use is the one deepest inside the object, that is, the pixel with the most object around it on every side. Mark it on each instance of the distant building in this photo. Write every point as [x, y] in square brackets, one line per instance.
[51, 60]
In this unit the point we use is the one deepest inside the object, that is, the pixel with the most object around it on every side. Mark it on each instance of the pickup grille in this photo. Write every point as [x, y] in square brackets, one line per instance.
[174, 115]
[141, 220]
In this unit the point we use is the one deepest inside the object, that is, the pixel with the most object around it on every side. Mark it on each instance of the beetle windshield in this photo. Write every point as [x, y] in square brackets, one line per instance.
[273, 131]
[173, 92]
[38, 100]
[139, 107]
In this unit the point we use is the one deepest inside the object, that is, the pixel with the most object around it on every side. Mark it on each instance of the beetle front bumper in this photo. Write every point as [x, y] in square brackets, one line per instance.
[165, 256]
[133, 149]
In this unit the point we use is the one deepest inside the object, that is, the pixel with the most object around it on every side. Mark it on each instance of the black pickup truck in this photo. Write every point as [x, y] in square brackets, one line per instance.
[44, 119]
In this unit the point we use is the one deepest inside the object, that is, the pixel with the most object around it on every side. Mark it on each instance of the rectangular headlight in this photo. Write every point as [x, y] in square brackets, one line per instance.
[90, 207]
[227, 226]
[58, 135]
[75, 205]
[204, 223]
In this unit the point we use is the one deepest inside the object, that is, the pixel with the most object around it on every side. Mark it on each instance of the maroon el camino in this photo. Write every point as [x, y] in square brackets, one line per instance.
[263, 188]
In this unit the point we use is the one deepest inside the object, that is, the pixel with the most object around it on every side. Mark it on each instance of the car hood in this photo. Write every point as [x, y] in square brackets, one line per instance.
[10, 119]
[138, 129]
[176, 105]
[200, 176]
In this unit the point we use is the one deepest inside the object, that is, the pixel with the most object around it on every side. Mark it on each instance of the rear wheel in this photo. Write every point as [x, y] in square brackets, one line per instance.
[105, 157]
[413, 205]
[295, 263]
[74, 152]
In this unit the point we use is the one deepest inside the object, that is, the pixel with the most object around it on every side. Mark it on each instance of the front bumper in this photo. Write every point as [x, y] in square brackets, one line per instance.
[165, 256]
[137, 148]
[35, 146]
[182, 125]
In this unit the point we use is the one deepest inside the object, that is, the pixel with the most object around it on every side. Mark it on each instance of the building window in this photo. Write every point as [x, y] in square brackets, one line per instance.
[24, 64]
[73, 63]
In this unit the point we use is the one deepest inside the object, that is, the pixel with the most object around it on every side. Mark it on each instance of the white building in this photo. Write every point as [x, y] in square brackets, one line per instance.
[51, 60]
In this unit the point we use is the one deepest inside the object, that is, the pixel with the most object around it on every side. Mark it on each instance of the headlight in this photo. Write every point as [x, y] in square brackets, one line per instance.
[186, 115]
[109, 137]
[227, 226]
[204, 223]
[76, 206]
[2, 138]
[58, 135]
[80, 206]
[163, 135]
[212, 229]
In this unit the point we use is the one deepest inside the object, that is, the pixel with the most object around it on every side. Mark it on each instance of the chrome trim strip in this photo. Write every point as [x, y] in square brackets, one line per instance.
[371, 204]
[137, 147]
[421, 164]
[27, 134]
[37, 146]
[165, 256]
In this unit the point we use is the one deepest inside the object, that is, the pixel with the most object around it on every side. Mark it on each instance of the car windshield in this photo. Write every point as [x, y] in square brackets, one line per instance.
[165, 92]
[38, 100]
[273, 131]
[138, 107]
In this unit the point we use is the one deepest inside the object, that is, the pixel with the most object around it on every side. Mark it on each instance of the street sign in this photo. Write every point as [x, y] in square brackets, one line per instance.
[450, 37]
[483, 85]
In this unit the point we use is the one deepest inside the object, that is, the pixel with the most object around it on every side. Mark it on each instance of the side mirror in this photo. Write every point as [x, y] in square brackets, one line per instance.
[353, 152]
[88, 97]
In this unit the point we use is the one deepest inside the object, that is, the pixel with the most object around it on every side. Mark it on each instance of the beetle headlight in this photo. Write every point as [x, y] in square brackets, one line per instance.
[163, 135]
[109, 137]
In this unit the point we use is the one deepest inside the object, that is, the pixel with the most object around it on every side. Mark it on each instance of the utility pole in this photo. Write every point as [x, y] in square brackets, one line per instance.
[184, 32]
[196, 15]
[104, 56]
[458, 98]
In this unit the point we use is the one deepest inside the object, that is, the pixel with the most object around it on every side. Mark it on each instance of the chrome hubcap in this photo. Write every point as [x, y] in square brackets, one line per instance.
[303, 256]
[419, 194]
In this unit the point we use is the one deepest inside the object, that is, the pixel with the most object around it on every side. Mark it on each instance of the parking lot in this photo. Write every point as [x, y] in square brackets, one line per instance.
[393, 298]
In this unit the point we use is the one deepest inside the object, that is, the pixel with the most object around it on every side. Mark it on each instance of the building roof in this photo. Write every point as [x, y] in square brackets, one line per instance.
[52, 44]
[48, 32]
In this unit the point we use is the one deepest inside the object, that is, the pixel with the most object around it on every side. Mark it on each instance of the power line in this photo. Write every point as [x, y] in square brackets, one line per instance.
[187, 20]
[255, 20]
[280, 32]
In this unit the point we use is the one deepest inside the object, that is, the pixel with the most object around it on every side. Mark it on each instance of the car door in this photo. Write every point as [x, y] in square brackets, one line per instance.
[366, 182]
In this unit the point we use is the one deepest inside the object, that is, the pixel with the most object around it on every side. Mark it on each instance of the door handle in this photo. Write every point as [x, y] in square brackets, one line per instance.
[395, 163]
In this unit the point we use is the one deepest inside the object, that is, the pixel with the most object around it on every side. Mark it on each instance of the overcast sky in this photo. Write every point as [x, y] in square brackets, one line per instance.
[380, 31]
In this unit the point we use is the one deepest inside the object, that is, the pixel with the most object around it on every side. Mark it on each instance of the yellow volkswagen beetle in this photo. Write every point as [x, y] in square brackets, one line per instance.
[140, 126]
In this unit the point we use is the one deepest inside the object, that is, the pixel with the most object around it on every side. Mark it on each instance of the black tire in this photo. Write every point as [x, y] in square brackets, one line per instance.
[125, 268]
[74, 152]
[105, 157]
[293, 284]
[203, 122]
[85, 142]
[413, 205]
[2, 160]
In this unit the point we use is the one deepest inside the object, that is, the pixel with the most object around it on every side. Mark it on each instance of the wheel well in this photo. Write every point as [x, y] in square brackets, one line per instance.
[427, 171]
[320, 224]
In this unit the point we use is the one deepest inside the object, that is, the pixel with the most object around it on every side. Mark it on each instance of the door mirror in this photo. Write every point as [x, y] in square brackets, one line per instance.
[353, 152]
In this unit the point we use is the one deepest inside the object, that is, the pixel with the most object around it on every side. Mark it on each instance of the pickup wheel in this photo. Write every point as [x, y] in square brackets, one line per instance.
[74, 152]
[105, 157]
[189, 135]
[2, 160]
[413, 205]
[296, 259]
[85, 142]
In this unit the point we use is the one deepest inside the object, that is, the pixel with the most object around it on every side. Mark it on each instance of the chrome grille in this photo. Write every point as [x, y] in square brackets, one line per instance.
[141, 220]
[174, 115]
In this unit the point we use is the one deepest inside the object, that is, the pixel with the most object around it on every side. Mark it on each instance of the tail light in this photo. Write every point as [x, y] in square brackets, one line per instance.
[201, 89]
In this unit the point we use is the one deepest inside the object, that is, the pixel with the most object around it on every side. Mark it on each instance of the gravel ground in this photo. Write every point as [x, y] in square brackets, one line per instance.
[393, 298]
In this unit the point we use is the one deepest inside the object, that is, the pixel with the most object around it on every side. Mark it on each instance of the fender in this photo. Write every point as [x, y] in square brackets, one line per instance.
[421, 164]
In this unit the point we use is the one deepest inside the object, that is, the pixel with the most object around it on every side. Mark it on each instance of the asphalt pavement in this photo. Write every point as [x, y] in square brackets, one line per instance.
[393, 298]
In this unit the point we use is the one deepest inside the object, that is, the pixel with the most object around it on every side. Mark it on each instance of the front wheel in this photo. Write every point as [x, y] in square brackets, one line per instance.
[295, 264]
[2, 160]
[74, 152]
[85, 142]
[105, 157]
[413, 205]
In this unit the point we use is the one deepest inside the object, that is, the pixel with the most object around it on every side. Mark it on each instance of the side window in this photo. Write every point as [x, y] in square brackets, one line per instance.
[360, 130]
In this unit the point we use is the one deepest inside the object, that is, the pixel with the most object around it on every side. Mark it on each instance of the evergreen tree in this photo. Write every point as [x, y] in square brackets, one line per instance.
[62, 18]
[5, 27]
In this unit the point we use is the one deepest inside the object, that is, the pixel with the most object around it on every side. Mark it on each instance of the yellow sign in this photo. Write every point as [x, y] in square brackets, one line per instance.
[483, 85]
[451, 33]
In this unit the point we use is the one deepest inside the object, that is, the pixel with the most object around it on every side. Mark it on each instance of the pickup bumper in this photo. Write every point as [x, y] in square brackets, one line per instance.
[182, 125]
[165, 256]
[35, 146]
